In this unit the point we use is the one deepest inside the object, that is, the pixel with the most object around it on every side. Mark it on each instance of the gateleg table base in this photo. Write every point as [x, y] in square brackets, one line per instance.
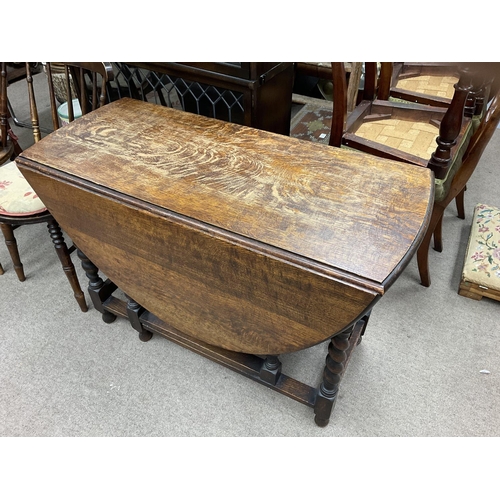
[263, 370]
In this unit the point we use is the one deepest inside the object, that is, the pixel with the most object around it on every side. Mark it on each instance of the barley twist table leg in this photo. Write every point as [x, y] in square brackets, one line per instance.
[96, 287]
[134, 310]
[332, 375]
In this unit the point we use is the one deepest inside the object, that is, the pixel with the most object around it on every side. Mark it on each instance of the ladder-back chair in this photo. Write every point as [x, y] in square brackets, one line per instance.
[409, 132]
[455, 184]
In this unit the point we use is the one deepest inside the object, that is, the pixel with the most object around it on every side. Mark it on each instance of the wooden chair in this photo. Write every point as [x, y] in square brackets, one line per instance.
[19, 204]
[429, 83]
[456, 183]
[425, 83]
[451, 127]
[9, 147]
[408, 132]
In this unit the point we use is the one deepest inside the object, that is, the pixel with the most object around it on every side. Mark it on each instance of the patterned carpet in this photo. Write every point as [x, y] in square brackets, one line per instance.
[312, 120]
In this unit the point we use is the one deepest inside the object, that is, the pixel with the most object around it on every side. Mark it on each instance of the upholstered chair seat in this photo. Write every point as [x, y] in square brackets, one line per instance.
[17, 197]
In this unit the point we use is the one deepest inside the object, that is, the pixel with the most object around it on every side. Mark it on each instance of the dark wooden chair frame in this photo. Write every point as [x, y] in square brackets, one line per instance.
[468, 101]
[471, 158]
[452, 124]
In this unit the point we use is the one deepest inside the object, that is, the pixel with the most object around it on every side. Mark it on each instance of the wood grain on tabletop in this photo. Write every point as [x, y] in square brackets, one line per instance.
[241, 238]
[344, 209]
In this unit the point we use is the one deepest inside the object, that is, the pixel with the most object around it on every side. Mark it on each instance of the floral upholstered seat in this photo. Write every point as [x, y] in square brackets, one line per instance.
[17, 197]
[481, 272]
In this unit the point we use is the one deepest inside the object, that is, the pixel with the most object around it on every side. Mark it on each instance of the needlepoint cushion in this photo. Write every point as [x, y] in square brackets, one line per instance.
[17, 197]
[482, 260]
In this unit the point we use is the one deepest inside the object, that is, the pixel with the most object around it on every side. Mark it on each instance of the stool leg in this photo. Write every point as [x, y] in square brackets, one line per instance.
[11, 243]
[68, 267]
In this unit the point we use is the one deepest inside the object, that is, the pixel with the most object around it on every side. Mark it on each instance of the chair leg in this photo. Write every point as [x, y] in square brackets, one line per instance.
[423, 249]
[1, 269]
[459, 200]
[67, 264]
[438, 236]
[11, 243]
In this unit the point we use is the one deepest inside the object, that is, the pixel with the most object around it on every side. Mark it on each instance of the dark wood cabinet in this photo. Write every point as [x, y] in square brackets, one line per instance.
[256, 94]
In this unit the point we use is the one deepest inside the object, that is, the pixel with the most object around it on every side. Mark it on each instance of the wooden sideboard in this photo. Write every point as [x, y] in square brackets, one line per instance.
[237, 243]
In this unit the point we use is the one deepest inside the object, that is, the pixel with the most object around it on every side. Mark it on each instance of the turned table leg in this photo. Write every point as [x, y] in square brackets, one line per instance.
[97, 289]
[134, 310]
[332, 375]
[270, 370]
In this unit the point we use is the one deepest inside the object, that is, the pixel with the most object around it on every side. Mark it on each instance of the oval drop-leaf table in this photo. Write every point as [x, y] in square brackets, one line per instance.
[237, 243]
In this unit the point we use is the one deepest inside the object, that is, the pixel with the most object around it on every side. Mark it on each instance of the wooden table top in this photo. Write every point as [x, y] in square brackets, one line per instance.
[353, 214]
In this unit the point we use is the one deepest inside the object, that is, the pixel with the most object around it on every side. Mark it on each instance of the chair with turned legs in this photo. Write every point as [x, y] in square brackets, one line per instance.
[8, 142]
[19, 204]
[409, 132]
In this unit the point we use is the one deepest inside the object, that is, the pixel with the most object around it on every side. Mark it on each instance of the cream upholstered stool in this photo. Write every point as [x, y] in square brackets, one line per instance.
[481, 272]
